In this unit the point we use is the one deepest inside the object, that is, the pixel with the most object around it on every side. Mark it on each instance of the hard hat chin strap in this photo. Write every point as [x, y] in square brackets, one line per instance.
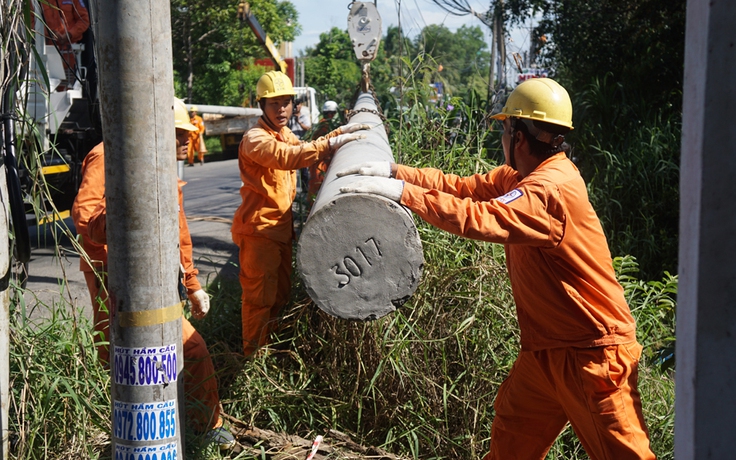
[555, 140]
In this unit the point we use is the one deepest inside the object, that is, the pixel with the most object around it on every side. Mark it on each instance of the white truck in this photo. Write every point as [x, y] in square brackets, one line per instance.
[66, 115]
[230, 123]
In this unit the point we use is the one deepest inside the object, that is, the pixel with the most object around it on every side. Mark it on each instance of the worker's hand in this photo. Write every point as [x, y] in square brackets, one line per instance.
[200, 303]
[342, 139]
[383, 186]
[369, 168]
[352, 127]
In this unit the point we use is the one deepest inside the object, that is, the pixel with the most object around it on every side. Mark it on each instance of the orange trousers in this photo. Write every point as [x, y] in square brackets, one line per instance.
[200, 382]
[595, 389]
[265, 277]
[196, 145]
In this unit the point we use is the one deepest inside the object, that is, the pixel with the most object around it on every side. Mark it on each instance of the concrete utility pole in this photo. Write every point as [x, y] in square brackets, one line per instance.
[706, 317]
[359, 255]
[4, 316]
[137, 96]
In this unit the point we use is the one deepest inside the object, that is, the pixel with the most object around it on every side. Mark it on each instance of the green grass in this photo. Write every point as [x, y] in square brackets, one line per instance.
[419, 382]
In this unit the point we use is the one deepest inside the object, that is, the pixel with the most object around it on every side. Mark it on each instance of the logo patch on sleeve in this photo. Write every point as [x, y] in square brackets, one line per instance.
[511, 196]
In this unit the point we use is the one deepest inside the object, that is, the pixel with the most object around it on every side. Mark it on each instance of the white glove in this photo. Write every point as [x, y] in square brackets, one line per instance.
[200, 303]
[369, 168]
[383, 186]
[342, 139]
[352, 127]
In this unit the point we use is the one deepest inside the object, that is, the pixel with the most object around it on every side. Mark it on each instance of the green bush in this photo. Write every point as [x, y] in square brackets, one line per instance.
[630, 158]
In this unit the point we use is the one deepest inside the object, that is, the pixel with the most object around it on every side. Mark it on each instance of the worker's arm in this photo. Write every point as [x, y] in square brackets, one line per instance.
[529, 214]
[91, 190]
[185, 248]
[97, 226]
[477, 186]
[200, 301]
[264, 149]
[79, 22]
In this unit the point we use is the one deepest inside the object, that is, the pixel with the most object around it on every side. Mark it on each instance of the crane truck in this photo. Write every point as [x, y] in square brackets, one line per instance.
[67, 118]
[231, 122]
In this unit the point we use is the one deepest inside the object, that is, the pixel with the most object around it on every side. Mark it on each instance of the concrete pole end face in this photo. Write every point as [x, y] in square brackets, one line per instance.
[360, 257]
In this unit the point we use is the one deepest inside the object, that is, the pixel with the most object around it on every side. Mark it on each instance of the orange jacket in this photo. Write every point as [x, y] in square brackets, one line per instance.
[267, 161]
[557, 256]
[91, 192]
[66, 17]
[194, 135]
[90, 217]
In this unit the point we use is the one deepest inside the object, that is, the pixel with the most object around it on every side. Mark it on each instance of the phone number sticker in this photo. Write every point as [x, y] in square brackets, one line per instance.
[158, 452]
[145, 366]
[144, 421]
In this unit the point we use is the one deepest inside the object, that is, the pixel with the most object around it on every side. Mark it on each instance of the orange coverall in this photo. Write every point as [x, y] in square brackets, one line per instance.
[66, 21]
[579, 356]
[262, 225]
[195, 137]
[89, 216]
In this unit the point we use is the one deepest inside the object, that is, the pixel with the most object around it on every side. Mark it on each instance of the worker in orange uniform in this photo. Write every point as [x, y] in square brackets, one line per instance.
[89, 213]
[66, 21]
[317, 171]
[268, 157]
[196, 139]
[579, 355]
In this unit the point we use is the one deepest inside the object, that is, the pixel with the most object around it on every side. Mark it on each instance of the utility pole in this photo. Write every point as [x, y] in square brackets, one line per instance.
[500, 44]
[4, 317]
[493, 18]
[5, 273]
[492, 65]
[136, 97]
[706, 320]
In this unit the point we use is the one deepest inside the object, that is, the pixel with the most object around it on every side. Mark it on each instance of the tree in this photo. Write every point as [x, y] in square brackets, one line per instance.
[639, 42]
[622, 62]
[332, 68]
[461, 58]
[213, 51]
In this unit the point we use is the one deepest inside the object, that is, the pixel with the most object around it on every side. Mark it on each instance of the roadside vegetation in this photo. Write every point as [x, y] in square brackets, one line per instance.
[419, 383]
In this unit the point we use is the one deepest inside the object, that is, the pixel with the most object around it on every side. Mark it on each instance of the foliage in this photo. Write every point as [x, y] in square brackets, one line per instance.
[632, 172]
[462, 58]
[60, 397]
[622, 63]
[213, 50]
[458, 60]
[331, 67]
[640, 43]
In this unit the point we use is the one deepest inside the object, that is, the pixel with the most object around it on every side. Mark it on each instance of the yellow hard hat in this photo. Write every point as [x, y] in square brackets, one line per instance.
[274, 84]
[181, 116]
[541, 99]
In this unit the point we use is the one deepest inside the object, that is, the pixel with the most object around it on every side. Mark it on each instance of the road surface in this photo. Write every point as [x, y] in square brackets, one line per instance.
[211, 197]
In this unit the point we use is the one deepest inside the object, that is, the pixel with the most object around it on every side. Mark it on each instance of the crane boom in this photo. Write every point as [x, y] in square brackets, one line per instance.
[245, 14]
